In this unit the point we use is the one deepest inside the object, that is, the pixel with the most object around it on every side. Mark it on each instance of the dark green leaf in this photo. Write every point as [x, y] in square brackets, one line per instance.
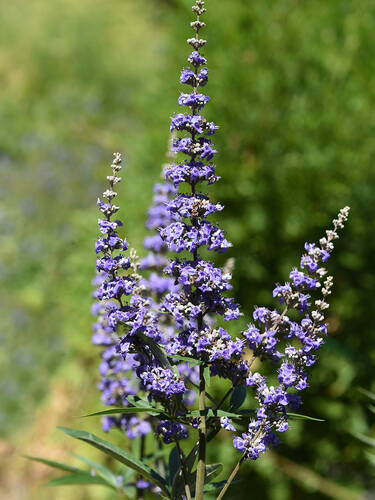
[299, 416]
[124, 411]
[157, 351]
[137, 401]
[79, 478]
[187, 359]
[372, 408]
[56, 465]
[173, 464]
[238, 397]
[119, 455]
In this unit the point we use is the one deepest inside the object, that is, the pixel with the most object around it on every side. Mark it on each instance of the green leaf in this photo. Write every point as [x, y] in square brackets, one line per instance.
[78, 478]
[173, 464]
[100, 469]
[187, 359]
[157, 351]
[212, 471]
[210, 412]
[299, 416]
[138, 401]
[118, 454]
[238, 397]
[371, 408]
[124, 411]
[56, 465]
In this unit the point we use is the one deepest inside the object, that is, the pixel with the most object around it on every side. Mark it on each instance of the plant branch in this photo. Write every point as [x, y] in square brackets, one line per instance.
[186, 484]
[201, 468]
[231, 477]
[140, 491]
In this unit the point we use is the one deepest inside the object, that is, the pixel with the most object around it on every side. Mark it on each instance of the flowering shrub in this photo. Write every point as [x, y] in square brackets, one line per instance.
[160, 323]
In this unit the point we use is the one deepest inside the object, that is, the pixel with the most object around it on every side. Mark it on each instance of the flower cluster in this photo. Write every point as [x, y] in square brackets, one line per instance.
[171, 431]
[307, 334]
[117, 375]
[130, 311]
[201, 285]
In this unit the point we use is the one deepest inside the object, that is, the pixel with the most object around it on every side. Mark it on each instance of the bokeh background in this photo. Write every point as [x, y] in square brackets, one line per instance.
[292, 84]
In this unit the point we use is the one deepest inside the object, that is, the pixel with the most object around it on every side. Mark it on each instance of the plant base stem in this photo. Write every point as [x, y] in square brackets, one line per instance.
[201, 468]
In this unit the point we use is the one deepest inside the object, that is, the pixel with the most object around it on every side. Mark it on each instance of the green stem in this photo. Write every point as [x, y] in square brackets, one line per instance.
[140, 491]
[186, 484]
[230, 479]
[201, 468]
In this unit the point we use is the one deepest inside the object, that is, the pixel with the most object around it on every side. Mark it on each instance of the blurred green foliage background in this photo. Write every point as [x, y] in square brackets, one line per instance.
[292, 84]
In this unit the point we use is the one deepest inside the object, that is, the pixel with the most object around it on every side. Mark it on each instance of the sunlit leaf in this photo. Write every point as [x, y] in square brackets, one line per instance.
[124, 411]
[56, 465]
[299, 416]
[78, 478]
[118, 454]
[187, 359]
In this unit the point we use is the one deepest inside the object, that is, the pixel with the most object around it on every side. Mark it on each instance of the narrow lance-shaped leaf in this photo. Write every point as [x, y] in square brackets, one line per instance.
[124, 411]
[299, 416]
[187, 359]
[79, 478]
[54, 464]
[118, 454]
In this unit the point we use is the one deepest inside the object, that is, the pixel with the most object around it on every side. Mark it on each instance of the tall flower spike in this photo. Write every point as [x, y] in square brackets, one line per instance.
[116, 380]
[157, 285]
[202, 285]
[130, 313]
[309, 332]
